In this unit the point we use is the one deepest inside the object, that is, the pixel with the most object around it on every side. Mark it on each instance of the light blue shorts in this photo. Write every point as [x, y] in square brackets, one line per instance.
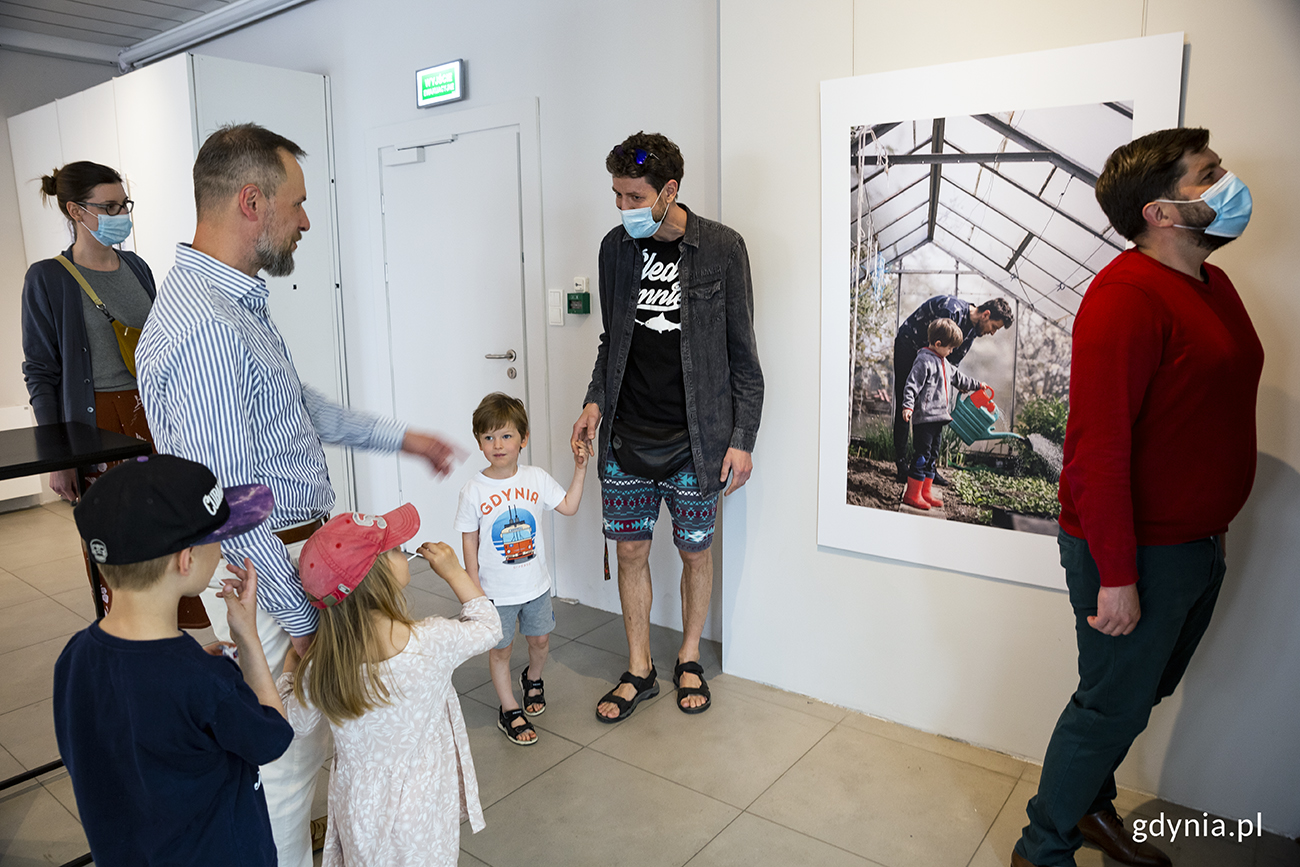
[535, 617]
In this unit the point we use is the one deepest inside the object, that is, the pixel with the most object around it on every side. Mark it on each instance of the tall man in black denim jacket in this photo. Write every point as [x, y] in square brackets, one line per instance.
[678, 383]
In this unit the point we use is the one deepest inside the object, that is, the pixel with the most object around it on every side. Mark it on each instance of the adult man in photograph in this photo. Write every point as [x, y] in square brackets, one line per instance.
[678, 384]
[220, 388]
[974, 321]
[1161, 342]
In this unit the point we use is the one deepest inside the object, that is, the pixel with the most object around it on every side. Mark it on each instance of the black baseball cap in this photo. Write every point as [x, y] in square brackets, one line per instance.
[153, 506]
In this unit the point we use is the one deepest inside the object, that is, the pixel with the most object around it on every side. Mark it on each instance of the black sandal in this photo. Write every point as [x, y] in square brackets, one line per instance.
[540, 698]
[512, 732]
[646, 687]
[684, 691]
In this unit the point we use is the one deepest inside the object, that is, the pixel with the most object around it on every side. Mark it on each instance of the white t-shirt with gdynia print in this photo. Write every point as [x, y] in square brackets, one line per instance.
[506, 513]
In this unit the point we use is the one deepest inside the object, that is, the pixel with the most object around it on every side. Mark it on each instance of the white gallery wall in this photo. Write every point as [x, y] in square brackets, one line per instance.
[583, 61]
[972, 658]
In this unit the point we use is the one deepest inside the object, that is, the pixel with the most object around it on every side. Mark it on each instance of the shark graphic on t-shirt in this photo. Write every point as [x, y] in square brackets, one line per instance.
[659, 302]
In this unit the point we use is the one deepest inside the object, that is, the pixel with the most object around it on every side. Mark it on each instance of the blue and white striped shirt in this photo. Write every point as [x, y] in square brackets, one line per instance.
[219, 387]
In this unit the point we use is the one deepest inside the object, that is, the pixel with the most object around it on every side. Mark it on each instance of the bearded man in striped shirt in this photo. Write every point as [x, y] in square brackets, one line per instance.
[220, 388]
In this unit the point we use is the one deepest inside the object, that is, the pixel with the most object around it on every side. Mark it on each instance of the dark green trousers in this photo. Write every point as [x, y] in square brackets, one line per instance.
[1120, 679]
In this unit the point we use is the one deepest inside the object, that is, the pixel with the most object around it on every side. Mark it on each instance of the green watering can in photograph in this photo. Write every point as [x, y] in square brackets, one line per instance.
[973, 419]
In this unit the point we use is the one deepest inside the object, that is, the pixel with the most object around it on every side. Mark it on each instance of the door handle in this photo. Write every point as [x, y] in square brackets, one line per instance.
[508, 355]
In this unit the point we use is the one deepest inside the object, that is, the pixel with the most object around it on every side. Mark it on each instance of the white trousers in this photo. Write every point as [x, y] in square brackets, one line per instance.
[289, 781]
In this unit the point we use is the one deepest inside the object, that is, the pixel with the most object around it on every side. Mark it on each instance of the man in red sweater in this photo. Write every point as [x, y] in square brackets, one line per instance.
[1159, 457]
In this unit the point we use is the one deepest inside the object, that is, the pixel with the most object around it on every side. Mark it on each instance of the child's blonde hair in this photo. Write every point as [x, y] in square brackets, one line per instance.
[340, 671]
[944, 332]
[135, 576]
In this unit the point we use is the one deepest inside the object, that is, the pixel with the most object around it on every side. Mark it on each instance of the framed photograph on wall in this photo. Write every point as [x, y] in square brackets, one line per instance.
[967, 191]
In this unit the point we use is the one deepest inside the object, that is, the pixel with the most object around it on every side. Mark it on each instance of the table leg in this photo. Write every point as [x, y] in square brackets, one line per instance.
[91, 565]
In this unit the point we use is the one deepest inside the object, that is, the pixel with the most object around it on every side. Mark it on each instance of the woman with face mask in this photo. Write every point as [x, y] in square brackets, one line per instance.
[82, 312]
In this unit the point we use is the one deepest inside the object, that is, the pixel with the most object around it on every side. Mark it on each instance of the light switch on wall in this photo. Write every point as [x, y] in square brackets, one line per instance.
[555, 306]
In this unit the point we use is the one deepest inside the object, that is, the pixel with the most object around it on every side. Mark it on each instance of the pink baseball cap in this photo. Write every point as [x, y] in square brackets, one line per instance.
[339, 555]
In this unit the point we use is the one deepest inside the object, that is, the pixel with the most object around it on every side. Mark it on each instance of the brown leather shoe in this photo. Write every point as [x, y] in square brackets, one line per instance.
[1106, 831]
[1018, 860]
[318, 827]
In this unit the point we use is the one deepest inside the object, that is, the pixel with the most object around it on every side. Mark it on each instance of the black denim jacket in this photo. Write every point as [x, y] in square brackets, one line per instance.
[724, 383]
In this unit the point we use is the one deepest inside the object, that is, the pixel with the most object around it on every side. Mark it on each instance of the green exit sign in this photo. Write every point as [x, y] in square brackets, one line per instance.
[438, 84]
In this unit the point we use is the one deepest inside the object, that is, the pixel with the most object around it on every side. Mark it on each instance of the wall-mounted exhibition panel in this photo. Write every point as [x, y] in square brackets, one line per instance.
[34, 142]
[155, 132]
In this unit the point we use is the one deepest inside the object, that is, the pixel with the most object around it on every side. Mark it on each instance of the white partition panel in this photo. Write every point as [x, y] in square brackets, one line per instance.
[36, 148]
[156, 138]
[12, 417]
[88, 130]
[88, 126]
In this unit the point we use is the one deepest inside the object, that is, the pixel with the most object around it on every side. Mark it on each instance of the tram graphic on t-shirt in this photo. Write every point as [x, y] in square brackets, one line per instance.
[513, 534]
[506, 514]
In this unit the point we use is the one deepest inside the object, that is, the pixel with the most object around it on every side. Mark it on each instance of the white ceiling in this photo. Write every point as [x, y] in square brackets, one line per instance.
[116, 23]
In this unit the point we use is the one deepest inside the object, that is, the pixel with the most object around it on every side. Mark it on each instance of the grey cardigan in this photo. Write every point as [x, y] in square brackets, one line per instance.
[931, 387]
[724, 383]
[56, 350]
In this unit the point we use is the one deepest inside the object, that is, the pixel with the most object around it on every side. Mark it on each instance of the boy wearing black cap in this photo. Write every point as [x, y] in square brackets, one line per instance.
[161, 738]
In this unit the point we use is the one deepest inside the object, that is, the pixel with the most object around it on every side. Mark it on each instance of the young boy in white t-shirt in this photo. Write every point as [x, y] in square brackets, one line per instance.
[498, 517]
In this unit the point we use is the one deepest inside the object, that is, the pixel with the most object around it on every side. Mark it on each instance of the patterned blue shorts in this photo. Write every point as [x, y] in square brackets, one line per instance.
[630, 505]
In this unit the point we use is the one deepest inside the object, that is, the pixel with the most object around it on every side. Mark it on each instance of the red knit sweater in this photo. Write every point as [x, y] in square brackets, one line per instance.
[1160, 442]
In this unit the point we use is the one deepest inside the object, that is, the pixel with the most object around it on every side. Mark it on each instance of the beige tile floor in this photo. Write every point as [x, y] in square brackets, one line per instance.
[764, 778]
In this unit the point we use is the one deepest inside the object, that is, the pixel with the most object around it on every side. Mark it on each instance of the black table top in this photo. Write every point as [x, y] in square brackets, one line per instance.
[45, 448]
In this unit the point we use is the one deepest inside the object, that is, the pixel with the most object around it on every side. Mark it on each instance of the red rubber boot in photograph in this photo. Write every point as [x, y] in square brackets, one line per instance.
[931, 497]
[912, 496]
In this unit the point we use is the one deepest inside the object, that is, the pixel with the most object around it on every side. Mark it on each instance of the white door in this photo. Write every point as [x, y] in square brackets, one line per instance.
[453, 250]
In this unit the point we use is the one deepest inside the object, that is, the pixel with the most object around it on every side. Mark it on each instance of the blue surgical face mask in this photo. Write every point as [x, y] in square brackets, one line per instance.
[640, 222]
[1230, 199]
[112, 230]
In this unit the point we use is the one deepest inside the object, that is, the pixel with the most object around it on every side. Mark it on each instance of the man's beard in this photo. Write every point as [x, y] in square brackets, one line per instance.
[1209, 242]
[1199, 216]
[275, 262]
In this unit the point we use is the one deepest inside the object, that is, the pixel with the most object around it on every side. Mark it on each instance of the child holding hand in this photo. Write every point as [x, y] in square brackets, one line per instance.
[498, 516]
[927, 404]
[403, 778]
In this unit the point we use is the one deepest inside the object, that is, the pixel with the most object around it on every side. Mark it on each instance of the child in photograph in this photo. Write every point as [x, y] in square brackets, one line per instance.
[163, 738]
[498, 517]
[927, 404]
[403, 778]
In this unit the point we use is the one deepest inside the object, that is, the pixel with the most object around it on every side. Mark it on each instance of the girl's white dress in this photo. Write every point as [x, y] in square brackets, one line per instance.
[402, 779]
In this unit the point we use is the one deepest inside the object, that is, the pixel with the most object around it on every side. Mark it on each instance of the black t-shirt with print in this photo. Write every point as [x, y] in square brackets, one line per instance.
[653, 391]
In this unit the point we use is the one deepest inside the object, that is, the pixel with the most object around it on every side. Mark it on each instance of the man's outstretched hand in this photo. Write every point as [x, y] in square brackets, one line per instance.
[441, 455]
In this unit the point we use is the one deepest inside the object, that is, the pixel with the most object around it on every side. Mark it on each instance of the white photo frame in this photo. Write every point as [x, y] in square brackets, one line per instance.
[1145, 72]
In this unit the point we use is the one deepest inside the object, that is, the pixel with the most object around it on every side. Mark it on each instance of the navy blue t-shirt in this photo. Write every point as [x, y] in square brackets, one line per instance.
[163, 743]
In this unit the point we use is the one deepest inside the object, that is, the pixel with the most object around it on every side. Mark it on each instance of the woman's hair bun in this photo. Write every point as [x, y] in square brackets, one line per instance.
[50, 184]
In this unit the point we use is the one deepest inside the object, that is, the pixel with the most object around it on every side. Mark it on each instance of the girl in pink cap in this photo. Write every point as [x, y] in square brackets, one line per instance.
[383, 682]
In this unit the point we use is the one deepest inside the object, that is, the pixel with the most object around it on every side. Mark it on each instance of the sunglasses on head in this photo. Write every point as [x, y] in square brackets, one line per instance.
[640, 155]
